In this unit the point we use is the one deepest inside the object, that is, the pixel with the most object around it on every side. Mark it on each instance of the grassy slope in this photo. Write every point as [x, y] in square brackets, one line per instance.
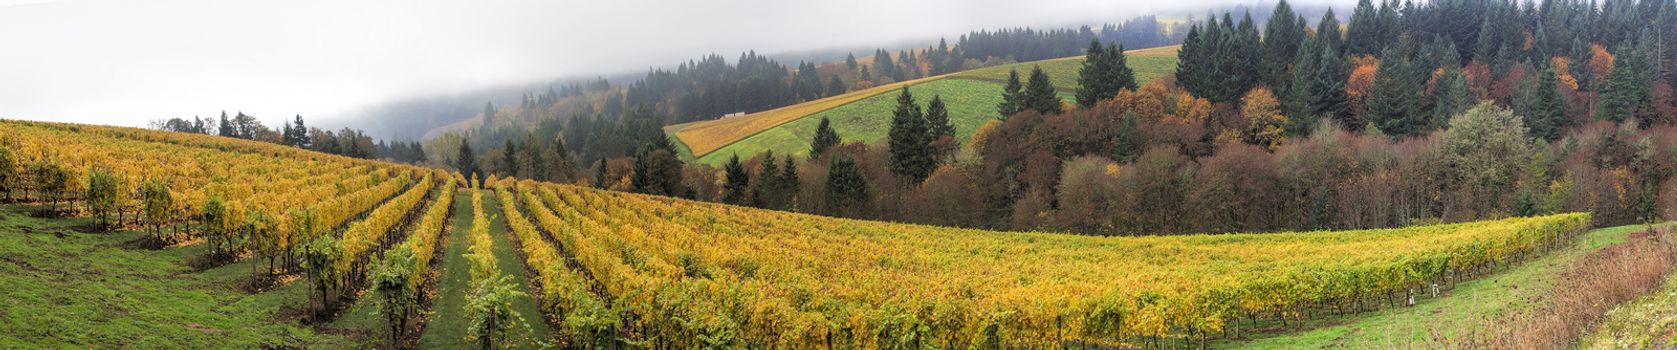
[447, 329]
[1148, 64]
[1645, 323]
[971, 104]
[1451, 315]
[971, 95]
[65, 289]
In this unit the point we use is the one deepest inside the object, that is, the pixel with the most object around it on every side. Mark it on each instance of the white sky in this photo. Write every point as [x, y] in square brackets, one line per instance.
[128, 62]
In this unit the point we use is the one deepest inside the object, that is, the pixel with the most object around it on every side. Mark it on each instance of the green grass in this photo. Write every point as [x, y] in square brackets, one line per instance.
[1452, 314]
[1148, 64]
[448, 325]
[64, 289]
[971, 104]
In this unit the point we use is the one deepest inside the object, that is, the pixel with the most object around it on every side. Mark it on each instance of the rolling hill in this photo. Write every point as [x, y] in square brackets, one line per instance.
[865, 114]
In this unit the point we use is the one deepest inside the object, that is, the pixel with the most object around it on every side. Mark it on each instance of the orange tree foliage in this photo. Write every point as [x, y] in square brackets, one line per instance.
[1357, 85]
[1563, 72]
[1161, 100]
[1601, 62]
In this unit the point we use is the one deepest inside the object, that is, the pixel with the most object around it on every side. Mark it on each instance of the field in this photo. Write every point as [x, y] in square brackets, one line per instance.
[703, 140]
[706, 136]
[971, 104]
[1148, 64]
[593, 268]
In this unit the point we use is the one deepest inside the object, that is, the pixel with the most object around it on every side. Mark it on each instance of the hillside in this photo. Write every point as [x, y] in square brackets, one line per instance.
[787, 130]
[878, 274]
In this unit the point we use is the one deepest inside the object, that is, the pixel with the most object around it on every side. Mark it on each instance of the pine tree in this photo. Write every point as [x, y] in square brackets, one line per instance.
[509, 157]
[1093, 76]
[788, 183]
[825, 138]
[846, 188]
[1282, 37]
[1104, 73]
[466, 161]
[1039, 93]
[765, 193]
[296, 134]
[1012, 96]
[912, 156]
[226, 127]
[1627, 87]
[1394, 102]
[835, 86]
[1362, 35]
[937, 117]
[488, 113]
[1328, 85]
[1450, 97]
[1545, 111]
[850, 60]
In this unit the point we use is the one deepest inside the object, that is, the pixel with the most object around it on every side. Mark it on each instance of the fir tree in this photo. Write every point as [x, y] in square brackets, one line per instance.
[846, 188]
[850, 60]
[835, 86]
[937, 117]
[1282, 37]
[1104, 73]
[1394, 102]
[912, 156]
[488, 113]
[1039, 93]
[1012, 96]
[466, 161]
[1626, 89]
[1545, 111]
[825, 138]
[1450, 97]
[509, 157]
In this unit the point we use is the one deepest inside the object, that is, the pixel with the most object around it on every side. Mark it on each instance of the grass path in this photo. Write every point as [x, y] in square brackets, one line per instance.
[1453, 314]
[65, 289]
[447, 329]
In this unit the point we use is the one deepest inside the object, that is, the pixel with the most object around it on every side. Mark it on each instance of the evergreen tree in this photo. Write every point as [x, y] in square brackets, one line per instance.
[600, 174]
[1127, 140]
[1012, 96]
[488, 113]
[509, 157]
[656, 172]
[765, 193]
[846, 188]
[835, 86]
[297, 135]
[466, 161]
[1104, 73]
[788, 183]
[1328, 85]
[1282, 37]
[1039, 93]
[850, 60]
[937, 117]
[1627, 87]
[825, 138]
[1450, 97]
[1394, 102]
[912, 156]
[883, 66]
[226, 127]
[1362, 35]
[1545, 110]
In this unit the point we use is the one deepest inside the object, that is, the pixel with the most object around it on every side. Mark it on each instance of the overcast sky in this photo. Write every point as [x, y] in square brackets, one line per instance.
[125, 62]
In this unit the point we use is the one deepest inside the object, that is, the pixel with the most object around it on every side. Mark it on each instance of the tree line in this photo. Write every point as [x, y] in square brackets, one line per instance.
[347, 142]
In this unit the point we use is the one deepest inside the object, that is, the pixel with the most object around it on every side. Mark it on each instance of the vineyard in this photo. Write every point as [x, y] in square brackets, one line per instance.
[608, 269]
[688, 274]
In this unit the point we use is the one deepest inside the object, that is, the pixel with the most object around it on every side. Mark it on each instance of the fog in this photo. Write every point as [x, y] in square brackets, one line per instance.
[129, 62]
